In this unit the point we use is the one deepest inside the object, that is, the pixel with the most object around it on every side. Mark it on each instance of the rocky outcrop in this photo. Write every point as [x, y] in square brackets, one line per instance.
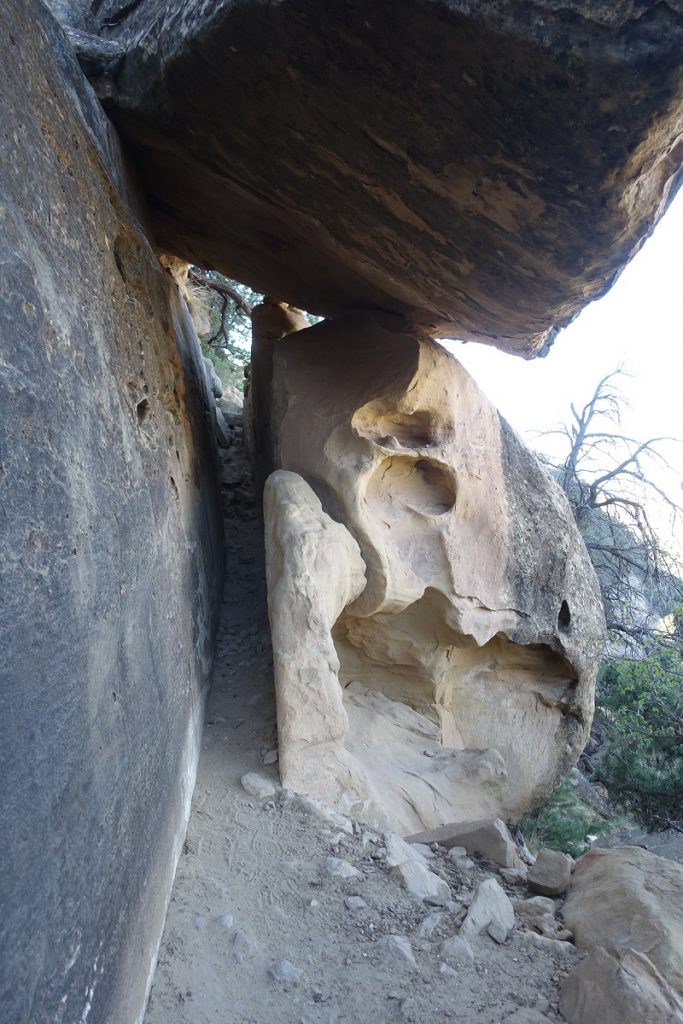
[623, 989]
[110, 551]
[485, 168]
[628, 898]
[449, 684]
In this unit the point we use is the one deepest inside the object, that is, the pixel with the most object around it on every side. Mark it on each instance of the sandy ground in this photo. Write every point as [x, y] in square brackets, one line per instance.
[252, 886]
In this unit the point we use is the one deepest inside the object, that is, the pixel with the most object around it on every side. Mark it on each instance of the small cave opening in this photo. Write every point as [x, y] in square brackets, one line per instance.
[142, 410]
[564, 617]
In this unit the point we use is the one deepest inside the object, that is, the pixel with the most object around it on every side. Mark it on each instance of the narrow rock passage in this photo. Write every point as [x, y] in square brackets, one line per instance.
[263, 927]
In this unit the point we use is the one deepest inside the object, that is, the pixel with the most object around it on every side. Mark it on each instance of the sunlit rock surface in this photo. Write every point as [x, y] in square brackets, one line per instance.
[456, 680]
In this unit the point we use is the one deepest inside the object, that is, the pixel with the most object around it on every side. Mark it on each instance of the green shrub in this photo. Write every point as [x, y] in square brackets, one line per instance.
[563, 823]
[640, 704]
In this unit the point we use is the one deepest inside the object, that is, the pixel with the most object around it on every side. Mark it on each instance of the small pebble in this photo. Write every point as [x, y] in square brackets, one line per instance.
[257, 785]
[244, 946]
[340, 868]
[199, 922]
[287, 974]
[355, 903]
[225, 921]
[398, 948]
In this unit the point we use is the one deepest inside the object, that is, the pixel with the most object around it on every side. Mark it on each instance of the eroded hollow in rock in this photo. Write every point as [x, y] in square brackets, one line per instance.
[403, 483]
[417, 557]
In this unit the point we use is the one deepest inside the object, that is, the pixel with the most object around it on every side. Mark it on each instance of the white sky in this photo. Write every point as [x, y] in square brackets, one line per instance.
[639, 324]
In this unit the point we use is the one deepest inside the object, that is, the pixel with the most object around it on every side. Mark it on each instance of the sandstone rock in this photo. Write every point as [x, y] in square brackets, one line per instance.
[416, 876]
[491, 910]
[628, 898]
[514, 876]
[110, 549]
[534, 908]
[355, 903]
[215, 383]
[426, 927]
[457, 947]
[424, 884]
[622, 989]
[223, 435]
[489, 839]
[410, 691]
[557, 947]
[551, 875]
[286, 974]
[527, 1016]
[256, 785]
[244, 946]
[340, 868]
[397, 948]
[495, 198]
[232, 401]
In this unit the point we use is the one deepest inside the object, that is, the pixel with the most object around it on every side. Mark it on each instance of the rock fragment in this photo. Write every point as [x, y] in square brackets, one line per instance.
[355, 902]
[490, 910]
[244, 946]
[527, 1016]
[623, 989]
[458, 948]
[488, 838]
[423, 884]
[397, 948]
[286, 974]
[551, 875]
[257, 785]
[340, 868]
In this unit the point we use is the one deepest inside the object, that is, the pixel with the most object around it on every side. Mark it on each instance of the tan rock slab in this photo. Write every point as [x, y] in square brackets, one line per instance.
[628, 898]
[622, 989]
[551, 875]
[489, 839]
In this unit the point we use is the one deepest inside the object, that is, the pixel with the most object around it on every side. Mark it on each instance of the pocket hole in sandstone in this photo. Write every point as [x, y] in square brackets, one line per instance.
[422, 485]
[564, 617]
[407, 430]
[142, 409]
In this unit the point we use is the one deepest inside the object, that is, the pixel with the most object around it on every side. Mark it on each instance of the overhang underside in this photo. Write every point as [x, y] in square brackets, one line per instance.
[486, 168]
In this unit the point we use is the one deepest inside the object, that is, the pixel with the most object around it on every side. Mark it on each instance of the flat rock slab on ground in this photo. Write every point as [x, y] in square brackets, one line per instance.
[490, 839]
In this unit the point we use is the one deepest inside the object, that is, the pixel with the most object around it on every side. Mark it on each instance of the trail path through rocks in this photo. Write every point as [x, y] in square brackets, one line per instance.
[262, 928]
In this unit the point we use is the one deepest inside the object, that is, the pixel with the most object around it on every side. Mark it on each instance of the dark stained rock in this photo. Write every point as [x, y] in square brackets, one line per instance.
[484, 166]
[110, 553]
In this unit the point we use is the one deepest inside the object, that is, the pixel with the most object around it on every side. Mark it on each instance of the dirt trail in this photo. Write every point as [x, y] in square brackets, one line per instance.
[252, 887]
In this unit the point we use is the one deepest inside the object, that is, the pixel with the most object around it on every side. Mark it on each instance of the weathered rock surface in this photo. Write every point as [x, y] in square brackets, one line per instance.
[110, 551]
[551, 875]
[629, 898]
[489, 839]
[422, 674]
[622, 989]
[485, 167]
[491, 909]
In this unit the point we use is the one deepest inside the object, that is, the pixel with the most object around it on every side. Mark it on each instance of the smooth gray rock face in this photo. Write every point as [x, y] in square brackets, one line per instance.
[485, 167]
[110, 553]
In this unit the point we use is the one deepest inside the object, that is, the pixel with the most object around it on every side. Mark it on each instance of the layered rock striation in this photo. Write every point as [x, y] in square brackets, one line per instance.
[485, 168]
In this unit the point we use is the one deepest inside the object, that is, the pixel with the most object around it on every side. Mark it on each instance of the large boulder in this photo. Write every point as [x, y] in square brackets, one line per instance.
[456, 679]
[624, 989]
[110, 551]
[628, 898]
[485, 167]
